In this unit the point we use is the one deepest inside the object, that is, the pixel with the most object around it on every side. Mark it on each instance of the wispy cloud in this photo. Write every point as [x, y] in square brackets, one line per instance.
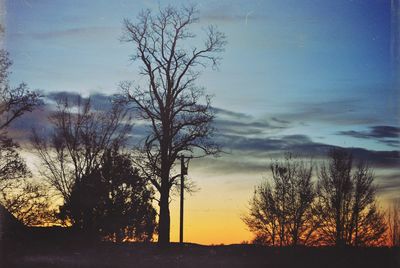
[38, 119]
[252, 128]
[239, 124]
[301, 144]
[99, 101]
[389, 181]
[239, 134]
[230, 114]
[338, 112]
[389, 135]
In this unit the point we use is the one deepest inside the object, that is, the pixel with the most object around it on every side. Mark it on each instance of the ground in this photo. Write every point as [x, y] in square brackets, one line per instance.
[44, 254]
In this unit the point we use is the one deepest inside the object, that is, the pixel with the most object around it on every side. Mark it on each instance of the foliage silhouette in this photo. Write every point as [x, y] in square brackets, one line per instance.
[113, 201]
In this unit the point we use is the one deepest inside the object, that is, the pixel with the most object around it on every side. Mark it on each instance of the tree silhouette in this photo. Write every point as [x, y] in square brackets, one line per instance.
[346, 207]
[113, 201]
[281, 211]
[178, 111]
[29, 202]
[24, 199]
[14, 101]
[79, 138]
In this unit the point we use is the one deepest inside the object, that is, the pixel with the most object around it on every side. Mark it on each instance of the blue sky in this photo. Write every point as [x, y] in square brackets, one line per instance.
[295, 74]
[283, 57]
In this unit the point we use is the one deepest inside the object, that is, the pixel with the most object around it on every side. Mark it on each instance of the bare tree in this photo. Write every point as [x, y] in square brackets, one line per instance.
[346, 205]
[281, 212]
[334, 196]
[12, 166]
[18, 195]
[14, 101]
[393, 218]
[178, 111]
[29, 202]
[25, 199]
[80, 136]
[262, 220]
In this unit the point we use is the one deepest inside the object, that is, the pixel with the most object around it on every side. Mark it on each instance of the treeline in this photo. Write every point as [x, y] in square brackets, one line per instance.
[338, 208]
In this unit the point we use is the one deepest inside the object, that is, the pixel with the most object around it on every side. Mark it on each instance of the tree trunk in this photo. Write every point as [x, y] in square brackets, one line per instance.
[164, 219]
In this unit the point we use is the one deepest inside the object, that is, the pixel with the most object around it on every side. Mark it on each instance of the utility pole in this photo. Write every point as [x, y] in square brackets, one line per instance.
[183, 173]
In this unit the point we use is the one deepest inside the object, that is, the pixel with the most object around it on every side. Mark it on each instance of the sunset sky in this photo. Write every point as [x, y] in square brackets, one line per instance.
[299, 76]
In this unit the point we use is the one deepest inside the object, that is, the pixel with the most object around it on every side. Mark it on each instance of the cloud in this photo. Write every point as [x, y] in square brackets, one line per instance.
[342, 111]
[388, 135]
[245, 137]
[375, 132]
[240, 124]
[230, 114]
[249, 143]
[301, 144]
[21, 129]
[98, 101]
[267, 144]
[55, 96]
[246, 128]
[281, 121]
[228, 164]
[388, 159]
[38, 119]
[388, 185]
[389, 181]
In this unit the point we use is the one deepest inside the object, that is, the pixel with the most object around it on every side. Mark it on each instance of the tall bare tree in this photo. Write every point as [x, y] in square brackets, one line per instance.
[346, 206]
[79, 137]
[178, 111]
[281, 211]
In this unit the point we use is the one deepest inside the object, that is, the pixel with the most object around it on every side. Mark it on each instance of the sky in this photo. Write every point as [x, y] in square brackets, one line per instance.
[298, 76]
